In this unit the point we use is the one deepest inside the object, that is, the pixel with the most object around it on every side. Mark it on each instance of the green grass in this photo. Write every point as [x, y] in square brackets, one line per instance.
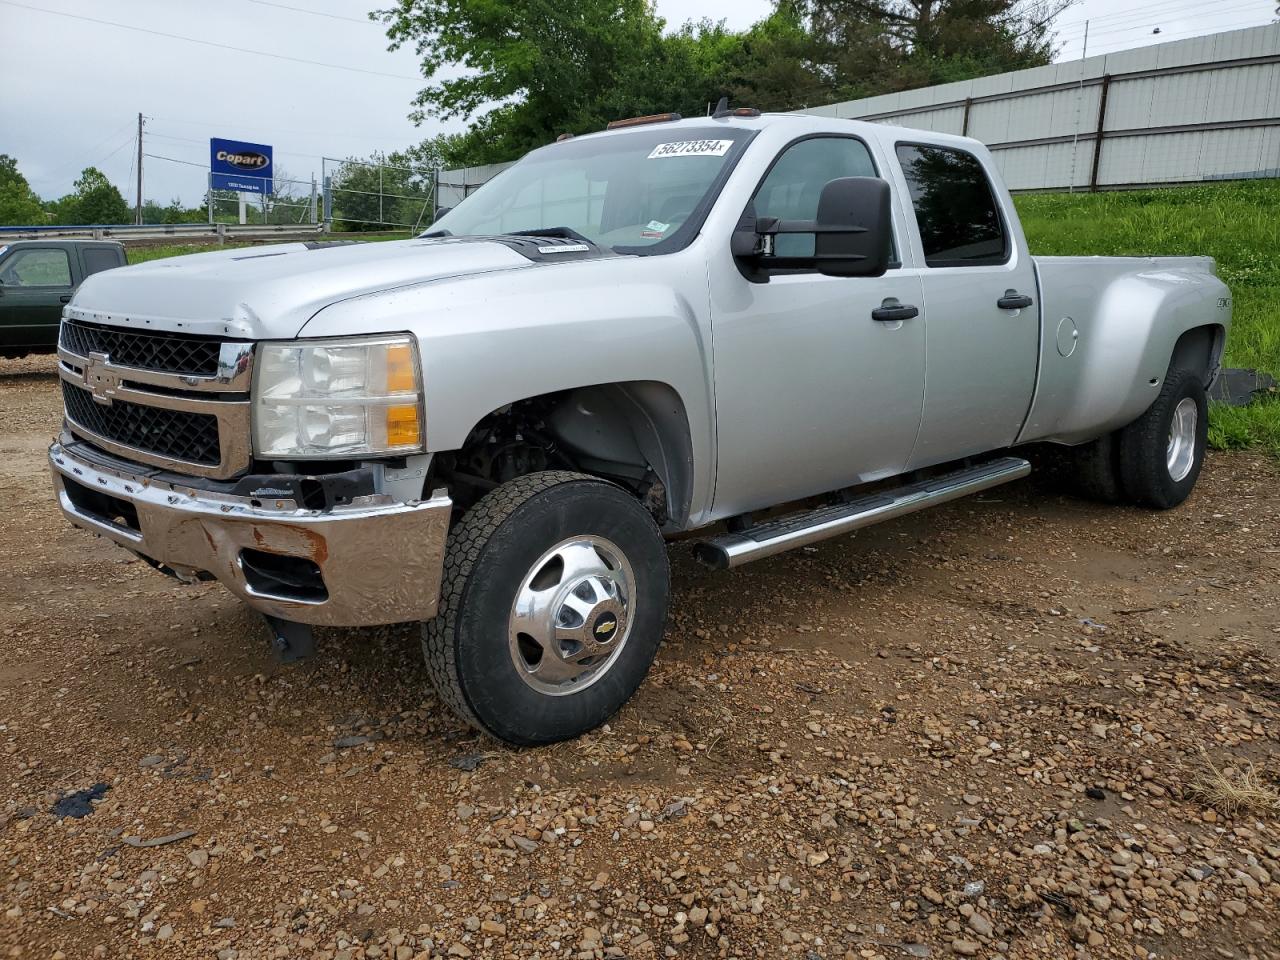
[143, 254]
[1238, 224]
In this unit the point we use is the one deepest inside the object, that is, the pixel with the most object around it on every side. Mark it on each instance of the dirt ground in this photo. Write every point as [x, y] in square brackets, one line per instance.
[979, 731]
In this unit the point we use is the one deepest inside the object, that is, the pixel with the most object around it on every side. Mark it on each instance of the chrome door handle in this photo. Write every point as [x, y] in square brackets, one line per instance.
[1013, 300]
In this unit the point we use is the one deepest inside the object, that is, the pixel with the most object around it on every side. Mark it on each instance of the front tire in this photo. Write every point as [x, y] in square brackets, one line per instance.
[552, 608]
[1161, 452]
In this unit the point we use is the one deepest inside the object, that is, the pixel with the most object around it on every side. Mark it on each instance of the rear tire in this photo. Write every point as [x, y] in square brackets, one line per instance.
[1162, 452]
[553, 605]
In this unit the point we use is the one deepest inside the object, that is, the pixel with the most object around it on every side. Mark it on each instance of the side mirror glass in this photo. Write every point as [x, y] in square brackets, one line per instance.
[853, 233]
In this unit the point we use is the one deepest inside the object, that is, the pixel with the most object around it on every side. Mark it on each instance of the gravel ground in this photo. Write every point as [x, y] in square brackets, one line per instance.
[974, 732]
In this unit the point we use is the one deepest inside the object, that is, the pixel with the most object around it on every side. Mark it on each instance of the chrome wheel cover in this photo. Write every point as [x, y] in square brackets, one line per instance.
[1181, 453]
[572, 615]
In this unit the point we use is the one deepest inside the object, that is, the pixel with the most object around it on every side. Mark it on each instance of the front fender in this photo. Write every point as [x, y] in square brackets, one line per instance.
[490, 341]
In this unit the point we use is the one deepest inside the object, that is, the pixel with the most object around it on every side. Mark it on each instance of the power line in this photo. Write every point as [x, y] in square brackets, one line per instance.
[205, 144]
[1135, 38]
[314, 13]
[155, 156]
[211, 43]
[329, 134]
[1161, 9]
[1120, 46]
[64, 170]
[113, 152]
[1136, 21]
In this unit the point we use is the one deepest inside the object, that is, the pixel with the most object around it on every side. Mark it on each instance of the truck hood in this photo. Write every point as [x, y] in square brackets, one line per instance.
[271, 292]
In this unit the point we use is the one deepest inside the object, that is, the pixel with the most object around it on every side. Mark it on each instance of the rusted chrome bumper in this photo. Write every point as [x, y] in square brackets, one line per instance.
[370, 562]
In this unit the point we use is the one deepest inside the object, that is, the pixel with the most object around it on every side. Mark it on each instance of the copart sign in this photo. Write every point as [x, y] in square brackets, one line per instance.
[237, 165]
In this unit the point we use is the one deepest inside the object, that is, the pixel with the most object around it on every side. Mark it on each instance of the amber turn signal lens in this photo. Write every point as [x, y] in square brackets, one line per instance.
[400, 378]
[403, 429]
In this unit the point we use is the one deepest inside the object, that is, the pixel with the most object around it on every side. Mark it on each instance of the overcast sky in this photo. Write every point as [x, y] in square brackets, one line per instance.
[71, 89]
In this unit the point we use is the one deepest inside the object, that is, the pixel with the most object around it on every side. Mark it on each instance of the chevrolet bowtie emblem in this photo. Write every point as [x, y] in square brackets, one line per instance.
[99, 380]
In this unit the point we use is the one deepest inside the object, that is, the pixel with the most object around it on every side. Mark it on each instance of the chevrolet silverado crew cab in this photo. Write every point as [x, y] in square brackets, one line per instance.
[666, 327]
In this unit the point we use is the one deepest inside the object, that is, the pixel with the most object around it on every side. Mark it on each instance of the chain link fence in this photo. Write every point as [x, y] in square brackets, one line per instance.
[290, 202]
[362, 195]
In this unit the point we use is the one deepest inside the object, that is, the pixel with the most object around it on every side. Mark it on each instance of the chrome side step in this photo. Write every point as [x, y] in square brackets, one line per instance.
[799, 529]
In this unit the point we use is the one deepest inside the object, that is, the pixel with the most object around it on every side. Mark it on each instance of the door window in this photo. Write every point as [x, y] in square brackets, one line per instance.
[792, 187]
[98, 258]
[956, 210]
[37, 268]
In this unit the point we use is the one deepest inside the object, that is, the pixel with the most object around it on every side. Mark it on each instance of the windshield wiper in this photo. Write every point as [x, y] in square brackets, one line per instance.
[566, 233]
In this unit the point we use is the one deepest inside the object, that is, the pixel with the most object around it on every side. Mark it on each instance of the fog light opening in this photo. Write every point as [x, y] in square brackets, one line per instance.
[279, 575]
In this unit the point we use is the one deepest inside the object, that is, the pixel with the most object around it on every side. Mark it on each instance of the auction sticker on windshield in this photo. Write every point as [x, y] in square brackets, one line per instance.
[691, 148]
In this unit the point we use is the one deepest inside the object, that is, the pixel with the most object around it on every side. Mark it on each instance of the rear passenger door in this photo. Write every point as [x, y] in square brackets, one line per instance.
[983, 335]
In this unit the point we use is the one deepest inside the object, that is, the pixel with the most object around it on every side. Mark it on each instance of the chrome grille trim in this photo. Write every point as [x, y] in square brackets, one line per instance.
[235, 370]
[109, 381]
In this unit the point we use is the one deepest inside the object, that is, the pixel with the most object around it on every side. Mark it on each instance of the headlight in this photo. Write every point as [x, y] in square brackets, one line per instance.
[337, 398]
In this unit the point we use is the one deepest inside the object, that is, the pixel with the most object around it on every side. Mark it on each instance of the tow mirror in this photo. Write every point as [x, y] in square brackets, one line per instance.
[853, 233]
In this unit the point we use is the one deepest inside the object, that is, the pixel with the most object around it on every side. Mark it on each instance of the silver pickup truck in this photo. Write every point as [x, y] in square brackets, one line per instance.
[666, 327]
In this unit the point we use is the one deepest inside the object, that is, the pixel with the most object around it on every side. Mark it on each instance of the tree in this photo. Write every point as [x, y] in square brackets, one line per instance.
[95, 199]
[533, 69]
[536, 69]
[869, 47]
[775, 68]
[19, 205]
[155, 212]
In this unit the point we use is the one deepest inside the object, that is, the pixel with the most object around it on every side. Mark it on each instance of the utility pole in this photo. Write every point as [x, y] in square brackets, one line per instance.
[137, 210]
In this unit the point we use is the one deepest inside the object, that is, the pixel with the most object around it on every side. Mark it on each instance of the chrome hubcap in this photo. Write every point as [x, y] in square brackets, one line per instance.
[572, 615]
[1182, 439]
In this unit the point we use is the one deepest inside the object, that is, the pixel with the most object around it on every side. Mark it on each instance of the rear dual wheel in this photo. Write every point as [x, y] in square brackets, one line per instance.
[1155, 461]
[552, 608]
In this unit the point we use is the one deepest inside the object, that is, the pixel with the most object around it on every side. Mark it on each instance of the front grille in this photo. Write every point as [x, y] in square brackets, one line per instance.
[164, 353]
[175, 434]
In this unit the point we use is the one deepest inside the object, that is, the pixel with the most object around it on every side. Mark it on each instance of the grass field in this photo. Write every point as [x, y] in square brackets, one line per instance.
[1236, 223]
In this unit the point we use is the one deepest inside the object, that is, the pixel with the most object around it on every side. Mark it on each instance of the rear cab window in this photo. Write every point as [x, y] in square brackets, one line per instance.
[955, 207]
[97, 259]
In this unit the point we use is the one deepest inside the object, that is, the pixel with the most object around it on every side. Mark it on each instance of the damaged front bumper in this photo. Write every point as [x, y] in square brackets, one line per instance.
[371, 561]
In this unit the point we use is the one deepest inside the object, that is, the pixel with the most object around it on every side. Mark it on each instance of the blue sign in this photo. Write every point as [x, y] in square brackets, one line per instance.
[236, 165]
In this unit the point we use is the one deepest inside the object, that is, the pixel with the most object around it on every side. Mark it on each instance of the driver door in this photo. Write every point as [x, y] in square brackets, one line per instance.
[812, 393]
[35, 283]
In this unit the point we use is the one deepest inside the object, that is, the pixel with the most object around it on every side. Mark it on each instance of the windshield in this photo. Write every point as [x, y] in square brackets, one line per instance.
[643, 191]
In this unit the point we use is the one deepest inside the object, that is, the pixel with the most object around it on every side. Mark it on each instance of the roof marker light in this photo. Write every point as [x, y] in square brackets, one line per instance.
[638, 121]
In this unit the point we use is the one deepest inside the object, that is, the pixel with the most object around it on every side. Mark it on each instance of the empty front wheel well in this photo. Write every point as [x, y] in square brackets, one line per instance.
[634, 433]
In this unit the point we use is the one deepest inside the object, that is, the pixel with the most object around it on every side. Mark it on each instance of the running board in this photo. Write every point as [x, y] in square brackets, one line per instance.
[800, 529]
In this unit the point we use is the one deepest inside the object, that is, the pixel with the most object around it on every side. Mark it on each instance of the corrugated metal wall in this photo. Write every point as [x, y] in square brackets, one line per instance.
[1206, 108]
[454, 186]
